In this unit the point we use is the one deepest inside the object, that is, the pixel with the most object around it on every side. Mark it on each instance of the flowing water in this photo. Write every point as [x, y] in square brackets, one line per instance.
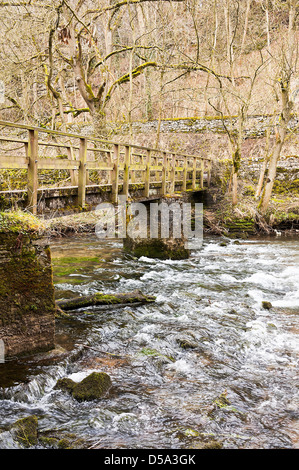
[206, 336]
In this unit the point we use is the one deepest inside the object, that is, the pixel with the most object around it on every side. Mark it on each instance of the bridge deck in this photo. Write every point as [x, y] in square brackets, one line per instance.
[120, 168]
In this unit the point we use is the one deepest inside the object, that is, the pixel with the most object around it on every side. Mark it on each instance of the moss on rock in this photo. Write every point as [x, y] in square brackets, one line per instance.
[266, 305]
[94, 386]
[65, 384]
[24, 431]
[20, 222]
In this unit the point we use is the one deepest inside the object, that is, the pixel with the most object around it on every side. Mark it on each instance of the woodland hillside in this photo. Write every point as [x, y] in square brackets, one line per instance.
[74, 62]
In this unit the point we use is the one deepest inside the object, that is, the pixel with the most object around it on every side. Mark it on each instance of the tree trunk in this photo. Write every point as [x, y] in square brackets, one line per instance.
[264, 203]
[104, 299]
[286, 105]
[264, 166]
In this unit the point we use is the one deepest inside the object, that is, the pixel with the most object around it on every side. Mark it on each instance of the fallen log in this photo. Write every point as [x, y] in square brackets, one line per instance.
[104, 299]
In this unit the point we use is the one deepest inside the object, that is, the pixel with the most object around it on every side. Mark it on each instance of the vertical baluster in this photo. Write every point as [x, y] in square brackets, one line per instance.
[194, 174]
[147, 174]
[126, 171]
[109, 162]
[32, 182]
[73, 173]
[202, 166]
[82, 172]
[172, 180]
[164, 174]
[115, 174]
[185, 174]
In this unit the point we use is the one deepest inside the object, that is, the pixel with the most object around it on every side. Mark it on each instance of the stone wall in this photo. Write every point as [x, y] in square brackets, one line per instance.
[27, 305]
[255, 126]
[287, 165]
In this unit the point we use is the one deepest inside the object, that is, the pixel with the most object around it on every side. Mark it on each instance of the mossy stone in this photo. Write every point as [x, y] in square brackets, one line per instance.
[266, 305]
[25, 431]
[65, 384]
[94, 386]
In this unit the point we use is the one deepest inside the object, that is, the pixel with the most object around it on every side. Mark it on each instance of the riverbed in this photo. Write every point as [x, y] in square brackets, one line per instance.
[205, 362]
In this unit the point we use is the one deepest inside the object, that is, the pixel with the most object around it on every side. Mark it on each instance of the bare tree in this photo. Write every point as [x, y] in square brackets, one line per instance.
[287, 66]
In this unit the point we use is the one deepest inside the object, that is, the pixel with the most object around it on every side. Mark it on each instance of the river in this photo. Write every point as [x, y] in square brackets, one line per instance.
[206, 336]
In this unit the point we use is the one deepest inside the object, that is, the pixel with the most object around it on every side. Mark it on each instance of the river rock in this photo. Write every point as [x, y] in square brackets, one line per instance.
[266, 305]
[94, 386]
[65, 384]
[24, 431]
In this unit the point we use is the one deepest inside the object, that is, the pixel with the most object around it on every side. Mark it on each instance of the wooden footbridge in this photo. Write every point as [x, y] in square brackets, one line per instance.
[117, 168]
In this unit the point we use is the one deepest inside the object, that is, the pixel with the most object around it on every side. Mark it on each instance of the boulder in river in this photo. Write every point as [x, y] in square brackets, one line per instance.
[94, 386]
[266, 305]
[24, 431]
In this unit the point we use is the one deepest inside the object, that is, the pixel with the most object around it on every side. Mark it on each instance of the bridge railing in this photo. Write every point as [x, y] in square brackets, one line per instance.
[119, 165]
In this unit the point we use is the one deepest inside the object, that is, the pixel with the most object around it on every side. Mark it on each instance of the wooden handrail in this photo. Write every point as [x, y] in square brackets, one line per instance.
[122, 161]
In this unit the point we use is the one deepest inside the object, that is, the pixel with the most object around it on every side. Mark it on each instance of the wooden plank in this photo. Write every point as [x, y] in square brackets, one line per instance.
[13, 139]
[156, 167]
[99, 166]
[55, 144]
[57, 164]
[82, 173]
[96, 149]
[137, 167]
[13, 162]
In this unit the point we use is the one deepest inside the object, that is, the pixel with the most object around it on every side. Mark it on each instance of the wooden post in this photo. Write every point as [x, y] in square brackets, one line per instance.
[32, 183]
[185, 174]
[125, 191]
[209, 173]
[172, 181]
[73, 173]
[133, 173]
[157, 173]
[202, 165]
[109, 161]
[82, 173]
[147, 174]
[115, 174]
[194, 174]
[164, 174]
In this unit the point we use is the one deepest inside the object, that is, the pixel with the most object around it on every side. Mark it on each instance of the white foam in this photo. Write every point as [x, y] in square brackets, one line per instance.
[180, 366]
